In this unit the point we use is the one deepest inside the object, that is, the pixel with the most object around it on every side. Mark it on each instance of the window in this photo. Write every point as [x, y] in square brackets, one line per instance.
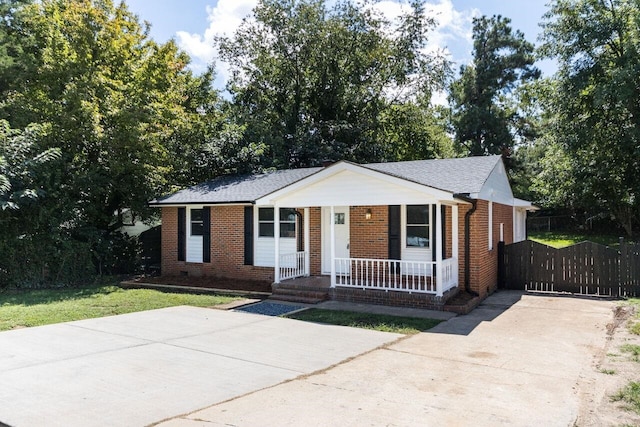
[266, 222]
[287, 222]
[417, 226]
[197, 225]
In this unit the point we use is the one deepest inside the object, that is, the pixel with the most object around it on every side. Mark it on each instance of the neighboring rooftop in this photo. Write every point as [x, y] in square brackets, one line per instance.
[458, 176]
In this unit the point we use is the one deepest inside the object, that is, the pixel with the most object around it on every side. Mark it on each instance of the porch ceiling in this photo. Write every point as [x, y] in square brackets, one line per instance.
[350, 185]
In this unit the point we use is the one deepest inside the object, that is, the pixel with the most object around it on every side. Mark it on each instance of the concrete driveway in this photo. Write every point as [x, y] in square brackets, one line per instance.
[517, 360]
[141, 368]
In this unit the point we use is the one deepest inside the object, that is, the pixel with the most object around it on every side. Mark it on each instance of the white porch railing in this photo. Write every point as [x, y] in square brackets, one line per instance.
[293, 265]
[395, 275]
[449, 277]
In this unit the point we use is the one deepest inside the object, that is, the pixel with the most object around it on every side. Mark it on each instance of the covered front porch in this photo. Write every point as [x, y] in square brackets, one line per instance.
[436, 274]
[369, 231]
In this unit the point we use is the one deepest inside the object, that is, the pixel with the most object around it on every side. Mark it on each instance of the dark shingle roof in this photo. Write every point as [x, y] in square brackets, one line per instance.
[235, 189]
[457, 176]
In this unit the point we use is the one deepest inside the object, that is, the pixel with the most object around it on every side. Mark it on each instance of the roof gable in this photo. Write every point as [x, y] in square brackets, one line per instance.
[346, 183]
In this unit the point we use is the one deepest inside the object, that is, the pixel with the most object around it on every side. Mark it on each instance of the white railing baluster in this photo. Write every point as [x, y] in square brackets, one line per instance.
[405, 276]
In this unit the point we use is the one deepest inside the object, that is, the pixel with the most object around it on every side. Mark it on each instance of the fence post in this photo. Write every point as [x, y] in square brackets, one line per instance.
[622, 270]
[501, 281]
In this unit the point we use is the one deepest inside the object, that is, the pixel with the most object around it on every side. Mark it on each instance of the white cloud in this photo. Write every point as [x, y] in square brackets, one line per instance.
[223, 19]
[453, 32]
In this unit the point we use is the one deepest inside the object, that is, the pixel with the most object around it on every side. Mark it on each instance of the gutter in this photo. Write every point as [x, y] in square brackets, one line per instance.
[467, 241]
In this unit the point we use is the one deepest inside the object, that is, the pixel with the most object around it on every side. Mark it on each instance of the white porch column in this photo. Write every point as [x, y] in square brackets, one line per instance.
[333, 246]
[439, 291]
[276, 238]
[307, 243]
[454, 240]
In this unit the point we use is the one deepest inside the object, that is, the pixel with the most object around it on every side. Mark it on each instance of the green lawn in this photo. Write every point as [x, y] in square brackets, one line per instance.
[42, 307]
[563, 239]
[378, 322]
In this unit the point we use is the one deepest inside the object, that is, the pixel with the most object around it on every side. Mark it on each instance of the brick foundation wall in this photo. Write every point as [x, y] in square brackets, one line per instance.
[396, 299]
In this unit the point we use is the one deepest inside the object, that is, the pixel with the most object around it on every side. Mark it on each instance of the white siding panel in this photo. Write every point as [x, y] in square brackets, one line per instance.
[497, 187]
[265, 250]
[348, 188]
[194, 248]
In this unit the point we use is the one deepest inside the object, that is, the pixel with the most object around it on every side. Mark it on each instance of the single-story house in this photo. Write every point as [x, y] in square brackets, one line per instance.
[402, 233]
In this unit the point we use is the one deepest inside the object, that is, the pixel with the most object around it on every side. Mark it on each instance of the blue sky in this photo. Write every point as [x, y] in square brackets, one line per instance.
[194, 23]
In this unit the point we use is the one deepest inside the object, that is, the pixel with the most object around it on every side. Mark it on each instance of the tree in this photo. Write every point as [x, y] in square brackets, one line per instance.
[485, 116]
[594, 111]
[312, 82]
[129, 118]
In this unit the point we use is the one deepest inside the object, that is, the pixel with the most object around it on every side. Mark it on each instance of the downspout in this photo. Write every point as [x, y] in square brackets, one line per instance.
[467, 242]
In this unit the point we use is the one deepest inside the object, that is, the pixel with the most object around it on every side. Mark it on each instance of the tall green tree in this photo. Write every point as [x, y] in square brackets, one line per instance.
[594, 109]
[119, 104]
[128, 116]
[485, 114]
[314, 82]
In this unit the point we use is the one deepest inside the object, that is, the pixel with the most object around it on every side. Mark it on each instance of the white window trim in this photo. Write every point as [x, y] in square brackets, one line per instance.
[259, 242]
[406, 250]
[190, 236]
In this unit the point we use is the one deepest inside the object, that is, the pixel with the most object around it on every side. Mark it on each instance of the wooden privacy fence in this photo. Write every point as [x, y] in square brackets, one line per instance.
[585, 268]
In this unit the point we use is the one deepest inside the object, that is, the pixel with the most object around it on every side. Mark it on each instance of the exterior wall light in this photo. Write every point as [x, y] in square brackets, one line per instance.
[367, 215]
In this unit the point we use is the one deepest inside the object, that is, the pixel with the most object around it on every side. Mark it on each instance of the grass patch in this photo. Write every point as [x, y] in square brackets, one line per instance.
[564, 239]
[378, 322]
[43, 307]
[608, 371]
[632, 349]
[630, 395]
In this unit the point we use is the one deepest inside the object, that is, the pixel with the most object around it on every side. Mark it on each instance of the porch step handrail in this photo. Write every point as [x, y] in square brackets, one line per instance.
[293, 265]
[384, 274]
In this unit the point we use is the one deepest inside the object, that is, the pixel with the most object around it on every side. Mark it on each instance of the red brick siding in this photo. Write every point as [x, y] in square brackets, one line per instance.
[484, 262]
[315, 240]
[369, 237]
[227, 247]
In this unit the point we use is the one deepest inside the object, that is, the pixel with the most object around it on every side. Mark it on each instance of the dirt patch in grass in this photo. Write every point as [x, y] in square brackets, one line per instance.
[209, 283]
[609, 391]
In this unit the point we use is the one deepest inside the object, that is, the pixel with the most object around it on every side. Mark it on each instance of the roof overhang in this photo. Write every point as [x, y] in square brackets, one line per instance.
[348, 184]
[524, 204]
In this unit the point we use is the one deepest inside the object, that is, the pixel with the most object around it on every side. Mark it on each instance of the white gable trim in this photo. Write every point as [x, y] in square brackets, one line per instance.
[327, 173]
[497, 188]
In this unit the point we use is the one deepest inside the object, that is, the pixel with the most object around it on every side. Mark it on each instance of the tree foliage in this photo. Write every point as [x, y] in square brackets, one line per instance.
[594, 109]
[485, 116]
[312, 82]
[128, 117]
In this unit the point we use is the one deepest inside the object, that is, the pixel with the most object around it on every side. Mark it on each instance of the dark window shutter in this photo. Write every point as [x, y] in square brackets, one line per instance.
[394, 232]
[248, 235]
[434, 211]
[182, 234]
[444, 231]
[206, 234]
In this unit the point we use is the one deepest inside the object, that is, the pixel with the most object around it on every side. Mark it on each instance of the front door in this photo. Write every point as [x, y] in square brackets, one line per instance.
[341, 234]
